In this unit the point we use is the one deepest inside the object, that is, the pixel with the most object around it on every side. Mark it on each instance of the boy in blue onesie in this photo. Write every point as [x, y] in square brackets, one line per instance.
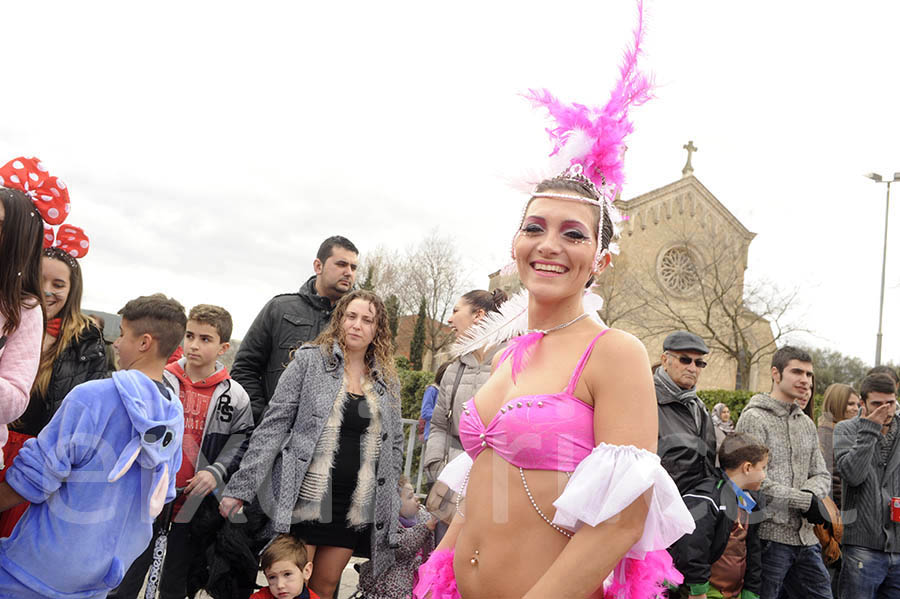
[101, 471]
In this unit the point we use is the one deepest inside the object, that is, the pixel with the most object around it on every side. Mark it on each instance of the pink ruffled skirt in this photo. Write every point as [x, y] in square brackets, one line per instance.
[436, 577]
[645, 578]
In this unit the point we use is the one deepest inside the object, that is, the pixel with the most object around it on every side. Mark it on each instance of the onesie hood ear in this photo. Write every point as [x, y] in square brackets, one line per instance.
[154, 441]
[126, 459]
[160, 486]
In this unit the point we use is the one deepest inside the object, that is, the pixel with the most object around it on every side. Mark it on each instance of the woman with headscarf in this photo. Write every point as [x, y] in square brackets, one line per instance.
[722, 423]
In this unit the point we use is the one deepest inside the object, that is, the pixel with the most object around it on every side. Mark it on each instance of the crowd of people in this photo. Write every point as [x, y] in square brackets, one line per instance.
[295, 455]
[816, 519]
[300, 447]
[560, 463]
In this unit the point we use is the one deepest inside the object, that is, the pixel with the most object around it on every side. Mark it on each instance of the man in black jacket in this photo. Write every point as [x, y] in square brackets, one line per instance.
[290, 319]
[687, 440]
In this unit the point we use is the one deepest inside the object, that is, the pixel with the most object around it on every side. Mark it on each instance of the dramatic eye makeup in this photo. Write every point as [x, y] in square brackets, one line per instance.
[575, 231]
[572, 230]
[575, 234]
[533, 225]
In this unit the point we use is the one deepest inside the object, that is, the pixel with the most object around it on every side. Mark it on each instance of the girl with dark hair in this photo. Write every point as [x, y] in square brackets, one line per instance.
[559, 491]
[325, 460]
[546, 442]
[21, 314]
[460, 381]
[72, 351]
[806, 402]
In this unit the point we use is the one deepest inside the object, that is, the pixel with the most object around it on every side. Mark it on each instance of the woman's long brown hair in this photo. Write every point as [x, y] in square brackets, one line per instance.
[380, 353]
[21, 239]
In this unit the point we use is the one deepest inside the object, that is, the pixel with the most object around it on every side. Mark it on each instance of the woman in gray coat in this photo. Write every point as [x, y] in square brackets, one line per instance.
[325, 460]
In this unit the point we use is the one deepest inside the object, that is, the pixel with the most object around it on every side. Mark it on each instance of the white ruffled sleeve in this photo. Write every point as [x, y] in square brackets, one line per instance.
[455, 474]
[610, 479]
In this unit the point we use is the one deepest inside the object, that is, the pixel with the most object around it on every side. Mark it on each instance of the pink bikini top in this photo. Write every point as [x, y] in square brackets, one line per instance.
[535, 432]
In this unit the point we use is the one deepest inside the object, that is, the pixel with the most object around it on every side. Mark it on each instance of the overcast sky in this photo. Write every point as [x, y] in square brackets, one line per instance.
[209, 147]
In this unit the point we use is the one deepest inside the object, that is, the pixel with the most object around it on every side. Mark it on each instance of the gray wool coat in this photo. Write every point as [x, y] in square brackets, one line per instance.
[283, 444]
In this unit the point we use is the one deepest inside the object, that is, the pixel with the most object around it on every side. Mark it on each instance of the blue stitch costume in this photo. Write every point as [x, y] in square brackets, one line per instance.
[96, 476]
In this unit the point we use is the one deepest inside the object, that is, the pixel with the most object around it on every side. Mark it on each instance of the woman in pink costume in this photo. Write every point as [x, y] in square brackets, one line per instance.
[560, 492]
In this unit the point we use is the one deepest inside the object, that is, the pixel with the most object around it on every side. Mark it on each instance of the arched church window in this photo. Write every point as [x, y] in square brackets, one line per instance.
[678, 269]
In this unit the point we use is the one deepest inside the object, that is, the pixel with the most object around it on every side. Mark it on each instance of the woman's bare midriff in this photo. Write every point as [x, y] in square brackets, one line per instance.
[515, 545]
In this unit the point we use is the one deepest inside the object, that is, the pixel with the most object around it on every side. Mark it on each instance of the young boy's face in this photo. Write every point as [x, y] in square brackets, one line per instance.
[202, 344]
[128, 346]
[409, 503]
[756, 474]
[286, 580]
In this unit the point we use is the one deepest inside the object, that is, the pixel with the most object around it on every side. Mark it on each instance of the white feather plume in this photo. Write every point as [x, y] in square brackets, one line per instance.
[592, 304]
[496, 327]
[511, 321]
[578, 144]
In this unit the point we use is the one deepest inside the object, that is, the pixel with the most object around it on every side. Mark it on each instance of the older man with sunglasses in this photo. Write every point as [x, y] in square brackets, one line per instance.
[687, 438]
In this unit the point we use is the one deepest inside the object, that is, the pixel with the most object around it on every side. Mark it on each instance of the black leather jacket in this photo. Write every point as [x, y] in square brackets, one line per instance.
[713, 504]
[284, 323]
[83, 360]
[687, 437]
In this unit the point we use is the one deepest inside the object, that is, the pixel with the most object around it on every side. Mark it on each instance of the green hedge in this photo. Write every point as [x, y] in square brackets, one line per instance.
[737, 399]
[412, 386]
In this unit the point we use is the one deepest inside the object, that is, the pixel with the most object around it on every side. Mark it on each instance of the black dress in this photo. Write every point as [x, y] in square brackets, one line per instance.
[332, 529]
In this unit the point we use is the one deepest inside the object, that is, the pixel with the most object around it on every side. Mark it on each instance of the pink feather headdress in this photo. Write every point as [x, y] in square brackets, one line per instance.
[595, 137]
[589, 147]
[589, 142]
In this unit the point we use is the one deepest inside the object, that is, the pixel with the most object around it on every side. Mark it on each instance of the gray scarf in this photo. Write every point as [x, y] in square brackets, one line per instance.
[670, 391]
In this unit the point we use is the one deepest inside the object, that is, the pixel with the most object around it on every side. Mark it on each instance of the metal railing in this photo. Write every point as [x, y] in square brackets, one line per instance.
[412, 442]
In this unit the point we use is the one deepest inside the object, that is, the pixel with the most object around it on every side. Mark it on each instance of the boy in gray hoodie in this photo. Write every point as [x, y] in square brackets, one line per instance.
[797, 480]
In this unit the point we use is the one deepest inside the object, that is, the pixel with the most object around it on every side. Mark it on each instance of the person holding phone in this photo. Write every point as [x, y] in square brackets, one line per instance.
[867, 457]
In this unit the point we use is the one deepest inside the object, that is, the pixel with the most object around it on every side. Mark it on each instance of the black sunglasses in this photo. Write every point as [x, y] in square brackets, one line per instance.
[686, 360]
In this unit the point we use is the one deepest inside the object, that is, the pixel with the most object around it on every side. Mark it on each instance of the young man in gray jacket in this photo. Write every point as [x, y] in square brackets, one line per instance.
[867, 456]
[797, 480]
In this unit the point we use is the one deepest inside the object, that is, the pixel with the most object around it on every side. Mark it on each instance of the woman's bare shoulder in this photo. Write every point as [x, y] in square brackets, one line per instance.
[617, 340]
[618, 353]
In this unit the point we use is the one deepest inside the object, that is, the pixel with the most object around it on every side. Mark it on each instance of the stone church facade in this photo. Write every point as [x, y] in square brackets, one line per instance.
[682, 262]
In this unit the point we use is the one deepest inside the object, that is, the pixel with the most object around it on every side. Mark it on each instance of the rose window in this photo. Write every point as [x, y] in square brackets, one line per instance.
[678, 270]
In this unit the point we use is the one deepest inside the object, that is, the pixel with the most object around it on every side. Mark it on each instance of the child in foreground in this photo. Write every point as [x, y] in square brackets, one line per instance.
[416, 544]
[722, 558]
[287, 567]
[100, 471]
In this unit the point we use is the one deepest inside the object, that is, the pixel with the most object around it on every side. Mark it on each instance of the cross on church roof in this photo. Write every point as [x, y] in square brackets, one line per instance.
[691, 148]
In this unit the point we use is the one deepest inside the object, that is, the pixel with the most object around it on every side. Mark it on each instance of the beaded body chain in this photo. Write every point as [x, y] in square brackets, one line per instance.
[530, 498]
[538, 509]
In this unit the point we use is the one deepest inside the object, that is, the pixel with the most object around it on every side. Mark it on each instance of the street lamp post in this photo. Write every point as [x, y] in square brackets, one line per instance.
[887, 205]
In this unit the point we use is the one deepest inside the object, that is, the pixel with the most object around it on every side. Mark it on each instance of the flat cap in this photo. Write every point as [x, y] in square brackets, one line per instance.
[684, 341]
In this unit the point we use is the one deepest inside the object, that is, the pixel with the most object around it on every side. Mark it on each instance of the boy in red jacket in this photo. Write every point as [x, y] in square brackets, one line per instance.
[287, 568]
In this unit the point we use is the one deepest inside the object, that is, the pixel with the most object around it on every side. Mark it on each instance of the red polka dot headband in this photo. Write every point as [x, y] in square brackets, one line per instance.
[51, 199]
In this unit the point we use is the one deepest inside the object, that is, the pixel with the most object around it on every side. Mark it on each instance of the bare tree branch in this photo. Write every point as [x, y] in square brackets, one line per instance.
[713, 300]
